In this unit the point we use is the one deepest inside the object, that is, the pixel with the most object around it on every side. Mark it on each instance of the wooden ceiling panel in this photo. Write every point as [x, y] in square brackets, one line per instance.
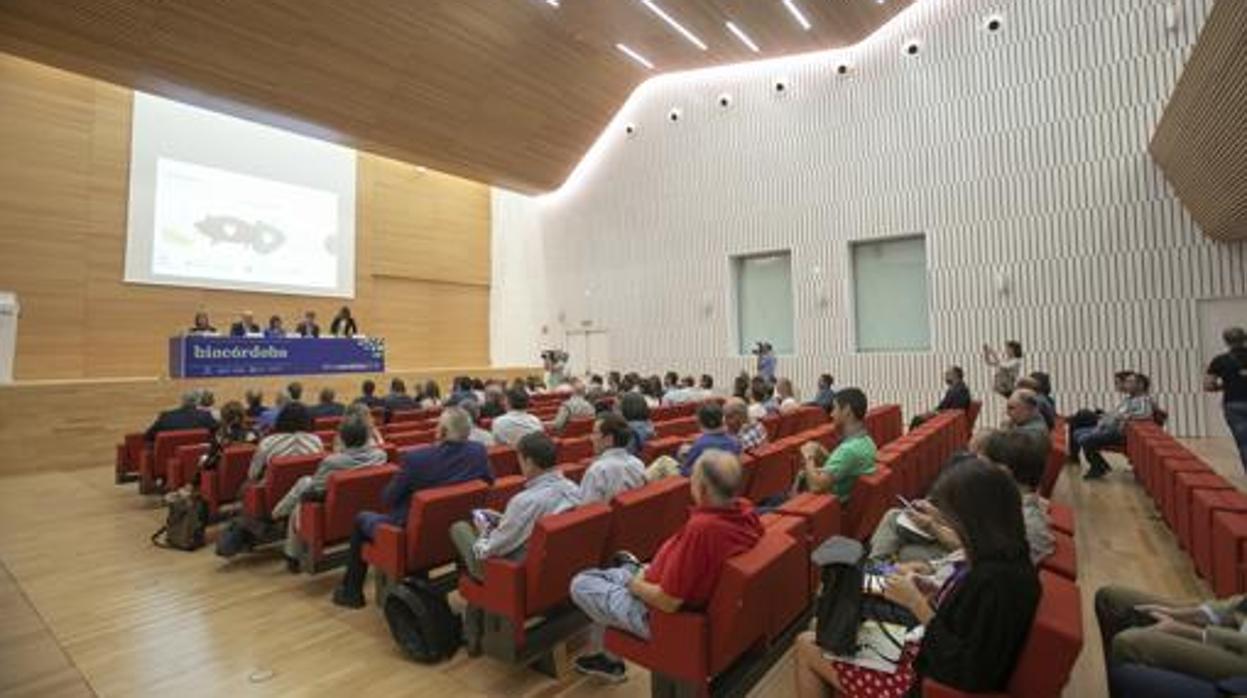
[509, 92]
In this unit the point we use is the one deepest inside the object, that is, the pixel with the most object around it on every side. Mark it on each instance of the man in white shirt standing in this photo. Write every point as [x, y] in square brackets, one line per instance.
[511, 427]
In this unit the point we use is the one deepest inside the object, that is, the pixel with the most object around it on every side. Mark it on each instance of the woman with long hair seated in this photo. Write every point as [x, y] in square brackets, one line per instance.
[975, 622]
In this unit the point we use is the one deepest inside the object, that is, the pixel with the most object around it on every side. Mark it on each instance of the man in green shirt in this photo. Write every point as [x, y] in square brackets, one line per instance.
[853, 457]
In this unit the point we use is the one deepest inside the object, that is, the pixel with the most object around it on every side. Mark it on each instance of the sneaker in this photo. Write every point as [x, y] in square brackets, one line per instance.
[602, 667]
[624, 557]
[292, 564]
[1094, 473]
[342, 598]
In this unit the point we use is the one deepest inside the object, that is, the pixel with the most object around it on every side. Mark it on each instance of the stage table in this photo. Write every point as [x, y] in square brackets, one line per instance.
[200, 357]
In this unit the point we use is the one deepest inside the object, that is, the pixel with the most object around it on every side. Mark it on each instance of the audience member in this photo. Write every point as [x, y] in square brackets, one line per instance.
[976, 622]
[343, 324]
[956, 396]
[853, 457]
[1007, 370]
[684, 573]
[1201, 640]
[398, 400]
[308, 327]
[255, 403]
[207, 403]
[246, 325]
[596, 389]
[1047, 409]
[740, 386]
[186, 415]
[295, 390]
[275, 329]
[1089, 417]
[430, 395]
[713, 436]
[705, 387]
[636, 412]
[761, 402]
[232, 430]
[785, 398]
[460, 390]
[453, 459]
[517, 422]
[546, 491]
[1025, 455]
[495, 403]
[354, 451]
[575, 407]
[826, 392]
[201, 326]
[328, 406]
[479, 435]
[368, 394]
[1111, 430]
[653, 391]
[264, 423]
[1227, 374]
[359, 410]
[614, 470]
[1023, 413]
[750, 434]
[292, 436]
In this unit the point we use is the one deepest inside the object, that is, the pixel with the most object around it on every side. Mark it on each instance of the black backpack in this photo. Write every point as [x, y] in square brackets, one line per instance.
[838, 614]
[422, 623]
[185, 522]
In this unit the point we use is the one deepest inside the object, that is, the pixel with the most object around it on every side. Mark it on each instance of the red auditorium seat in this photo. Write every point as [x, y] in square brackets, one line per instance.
[328, 523]
[513, 593]
[1052, 470]
[423, 544]
[1204, 503]
[327, 438]
[643, 518]
[220, 485]
[757, 599]
[577, 427]
[154, 465]
[184, 465]
[821, 513]
[411, 438]
[505, 487]
[280, 475]
[654, 448]
[770, 471]
[1051, 649]
[129, 454]
[884, 424]
[574, 450]
[1229, 553]
[504, 461]
[1064, 558]
[576, 471]
[872, 496]
[972, 415]
[1166, 495]
[685, 426]
[326, 423]
[1185, 486]
[1061, 518]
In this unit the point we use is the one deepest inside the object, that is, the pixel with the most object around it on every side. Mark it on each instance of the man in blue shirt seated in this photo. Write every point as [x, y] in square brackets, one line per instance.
[713, 436]
[328, 405]
[452, 460]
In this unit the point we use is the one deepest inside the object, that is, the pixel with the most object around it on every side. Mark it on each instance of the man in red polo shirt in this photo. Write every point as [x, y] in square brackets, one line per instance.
[684, 572]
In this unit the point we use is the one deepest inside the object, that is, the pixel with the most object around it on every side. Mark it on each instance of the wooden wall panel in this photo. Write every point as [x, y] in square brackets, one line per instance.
[63, 198]
[1201, 142]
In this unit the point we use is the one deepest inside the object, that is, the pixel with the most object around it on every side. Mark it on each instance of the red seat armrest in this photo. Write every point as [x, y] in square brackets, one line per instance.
[679, 645]
[388, 551]
[311, 521]
[255, 499]
[502, 592]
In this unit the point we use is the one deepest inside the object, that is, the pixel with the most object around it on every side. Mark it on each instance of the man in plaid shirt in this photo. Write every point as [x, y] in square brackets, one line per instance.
[736, 419]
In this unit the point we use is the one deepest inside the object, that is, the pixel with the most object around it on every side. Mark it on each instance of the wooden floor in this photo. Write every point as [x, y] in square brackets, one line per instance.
[89, 607]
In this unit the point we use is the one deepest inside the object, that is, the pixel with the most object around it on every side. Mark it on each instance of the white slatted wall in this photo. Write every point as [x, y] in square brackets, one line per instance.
[1020, 153]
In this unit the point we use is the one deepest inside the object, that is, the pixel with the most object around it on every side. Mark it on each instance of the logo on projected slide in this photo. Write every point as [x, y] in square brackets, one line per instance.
[259, 236]
[258, 351]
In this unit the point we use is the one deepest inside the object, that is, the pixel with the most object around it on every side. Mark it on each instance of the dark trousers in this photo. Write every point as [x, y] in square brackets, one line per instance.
[1138, 681]
[1236, 418]
[1091, 440]
[1081, 419]
[356, 568]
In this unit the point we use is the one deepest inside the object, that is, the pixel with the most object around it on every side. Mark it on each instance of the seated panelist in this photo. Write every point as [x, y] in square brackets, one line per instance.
[202, 326]
[275, 329]
[245, 326]
[307, 327]
[343, 324]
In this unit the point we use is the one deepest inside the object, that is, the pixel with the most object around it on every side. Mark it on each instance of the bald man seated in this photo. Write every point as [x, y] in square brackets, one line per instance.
[684, 572]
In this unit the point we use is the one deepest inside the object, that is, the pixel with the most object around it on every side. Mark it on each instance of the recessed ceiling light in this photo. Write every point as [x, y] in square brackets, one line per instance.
[796, 14]
[674, 24]
[635, 56]
[744, 38]
[552, 3]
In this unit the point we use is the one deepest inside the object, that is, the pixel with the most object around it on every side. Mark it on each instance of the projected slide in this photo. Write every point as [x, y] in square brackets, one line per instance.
[220, 225]
[225, 203]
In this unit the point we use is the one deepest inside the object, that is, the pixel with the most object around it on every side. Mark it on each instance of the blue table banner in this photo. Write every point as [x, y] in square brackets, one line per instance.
[201, 357]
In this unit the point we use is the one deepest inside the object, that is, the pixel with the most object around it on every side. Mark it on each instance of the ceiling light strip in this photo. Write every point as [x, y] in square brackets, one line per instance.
[552, 3]
[635, 56]
[797, 14]
[744, 38]
[674, 24]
